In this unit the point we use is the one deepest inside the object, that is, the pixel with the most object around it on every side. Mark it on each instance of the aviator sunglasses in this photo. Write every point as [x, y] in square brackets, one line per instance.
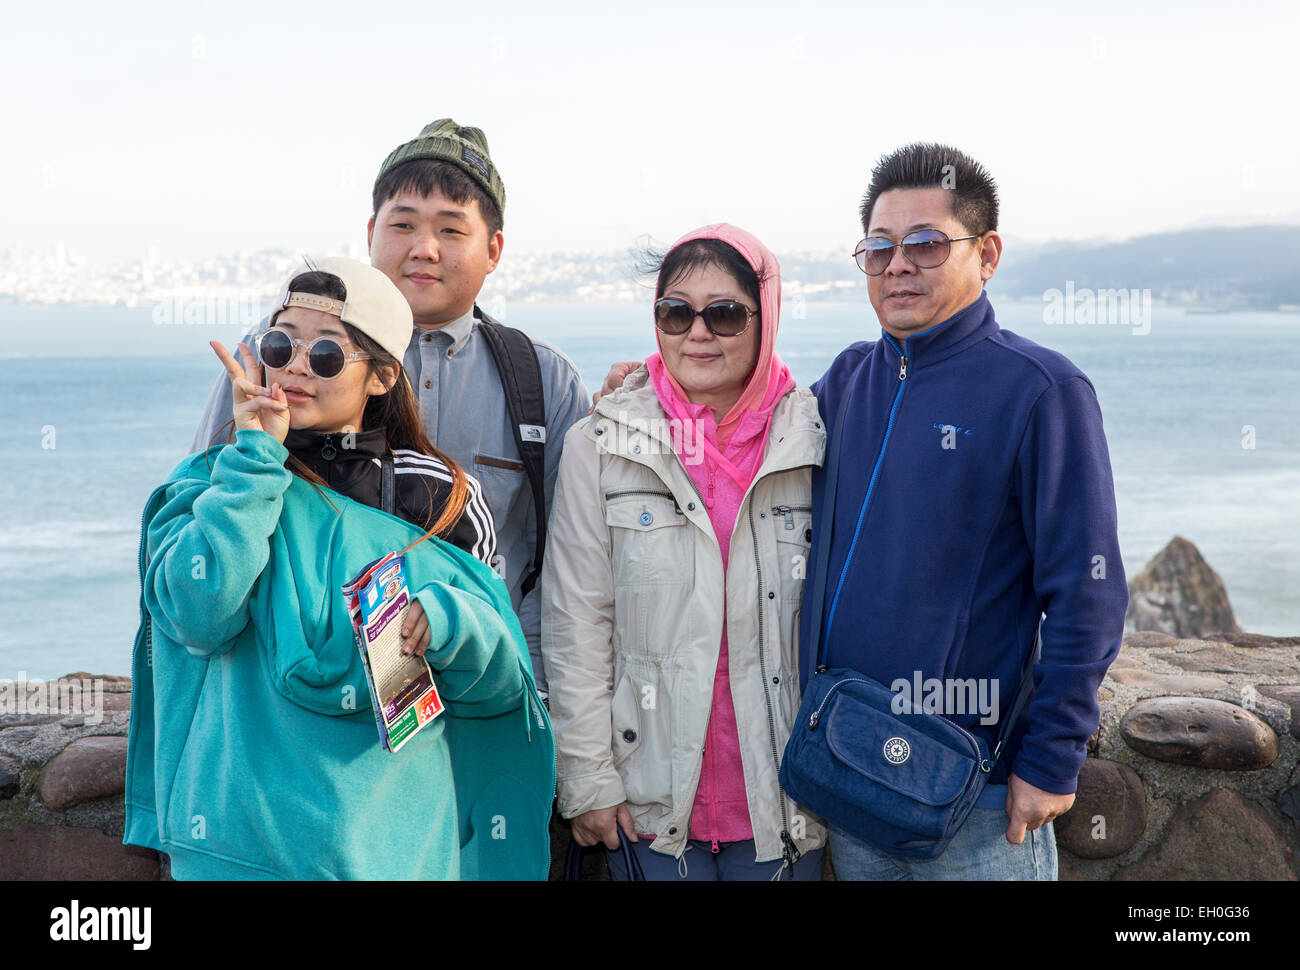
[924, 249]
[326, 358]
[724, 318]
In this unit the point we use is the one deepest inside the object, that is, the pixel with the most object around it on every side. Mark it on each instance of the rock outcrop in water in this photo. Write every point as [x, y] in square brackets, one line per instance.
[1179, 594]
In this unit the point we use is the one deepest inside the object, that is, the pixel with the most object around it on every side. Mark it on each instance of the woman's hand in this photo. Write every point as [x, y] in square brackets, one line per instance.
[256, 408]
[415, 630]
[602, 825]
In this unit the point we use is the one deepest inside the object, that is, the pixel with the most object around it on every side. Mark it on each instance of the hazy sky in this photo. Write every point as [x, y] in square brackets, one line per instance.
[244, 125]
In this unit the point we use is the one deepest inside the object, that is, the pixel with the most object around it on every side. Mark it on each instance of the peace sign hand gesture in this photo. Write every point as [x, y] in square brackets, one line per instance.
[256, 408]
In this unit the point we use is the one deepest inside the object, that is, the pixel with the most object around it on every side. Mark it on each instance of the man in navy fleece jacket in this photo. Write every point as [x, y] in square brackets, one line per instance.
[975, 495]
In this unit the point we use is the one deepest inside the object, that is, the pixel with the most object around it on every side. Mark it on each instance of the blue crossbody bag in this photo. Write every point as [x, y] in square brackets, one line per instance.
[903, 783]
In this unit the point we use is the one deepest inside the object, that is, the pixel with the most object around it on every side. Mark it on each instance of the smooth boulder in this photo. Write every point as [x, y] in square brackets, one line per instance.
[1109, 813]
[88, 768]
[1200, 732]
[1219, 836]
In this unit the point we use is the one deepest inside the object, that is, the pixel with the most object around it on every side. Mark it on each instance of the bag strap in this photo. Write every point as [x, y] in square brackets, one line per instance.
[1023, 693]
[387, 484]
[820, 643]
[822, 564]
[521, 379]
[634, 872]
[573, 860]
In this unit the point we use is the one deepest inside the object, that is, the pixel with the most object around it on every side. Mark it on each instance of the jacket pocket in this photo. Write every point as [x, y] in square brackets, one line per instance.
[642, 739]
[792, 526]
[503, 482]
[507, 833]
[651, 540]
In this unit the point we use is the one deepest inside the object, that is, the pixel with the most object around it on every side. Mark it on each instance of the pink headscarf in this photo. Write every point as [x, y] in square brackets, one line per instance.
[769, 367]
[736, 454]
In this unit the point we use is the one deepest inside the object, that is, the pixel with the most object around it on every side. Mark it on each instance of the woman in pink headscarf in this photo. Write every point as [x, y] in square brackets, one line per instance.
[678, 544]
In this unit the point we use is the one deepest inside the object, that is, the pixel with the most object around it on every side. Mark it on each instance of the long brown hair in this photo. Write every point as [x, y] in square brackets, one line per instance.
[395, 411]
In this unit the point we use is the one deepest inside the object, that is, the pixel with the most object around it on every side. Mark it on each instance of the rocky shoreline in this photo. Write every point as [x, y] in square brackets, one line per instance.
[1194, 772]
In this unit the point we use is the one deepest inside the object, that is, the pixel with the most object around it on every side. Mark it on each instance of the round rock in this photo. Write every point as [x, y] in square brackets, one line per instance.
[1219, 836]
[87, 768]
[1109, 813]
[1200, 732]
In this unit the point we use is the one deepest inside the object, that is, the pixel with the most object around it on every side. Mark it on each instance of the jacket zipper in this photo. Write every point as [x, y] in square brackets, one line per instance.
[147, 626]
[788, 511]
[637, 491]
[789, 851]
[871, 485]
[815, 717]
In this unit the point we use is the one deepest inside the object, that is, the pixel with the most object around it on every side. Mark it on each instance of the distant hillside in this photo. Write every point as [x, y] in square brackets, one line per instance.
[1247, 266]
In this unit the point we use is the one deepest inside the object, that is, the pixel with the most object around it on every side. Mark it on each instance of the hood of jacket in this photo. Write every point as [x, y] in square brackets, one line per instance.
[770, 375]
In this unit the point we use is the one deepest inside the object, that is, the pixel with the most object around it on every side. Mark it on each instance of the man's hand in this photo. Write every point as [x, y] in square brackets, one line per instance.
[614, 379]
[602, 825]
[1029, 807]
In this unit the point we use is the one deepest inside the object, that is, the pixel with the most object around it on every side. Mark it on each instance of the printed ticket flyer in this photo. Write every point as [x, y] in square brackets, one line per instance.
[402, 690]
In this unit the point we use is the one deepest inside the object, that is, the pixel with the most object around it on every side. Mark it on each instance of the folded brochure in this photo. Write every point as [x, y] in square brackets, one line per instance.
[402, 690]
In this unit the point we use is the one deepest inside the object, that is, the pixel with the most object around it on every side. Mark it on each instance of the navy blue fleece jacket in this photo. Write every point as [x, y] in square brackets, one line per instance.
[975, 495]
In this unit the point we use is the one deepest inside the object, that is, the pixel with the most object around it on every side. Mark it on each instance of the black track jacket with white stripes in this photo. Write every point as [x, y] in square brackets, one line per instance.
[350, 464]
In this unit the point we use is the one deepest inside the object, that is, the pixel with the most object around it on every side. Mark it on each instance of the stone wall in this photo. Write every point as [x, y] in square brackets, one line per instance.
[62, 772]
[1194, 772]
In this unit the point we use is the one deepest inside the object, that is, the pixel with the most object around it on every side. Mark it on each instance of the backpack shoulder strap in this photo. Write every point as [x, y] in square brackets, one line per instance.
[521, 380]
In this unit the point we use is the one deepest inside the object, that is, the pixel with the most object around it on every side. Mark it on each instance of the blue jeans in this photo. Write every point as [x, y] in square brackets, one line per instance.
[979, 850]
[733, 862]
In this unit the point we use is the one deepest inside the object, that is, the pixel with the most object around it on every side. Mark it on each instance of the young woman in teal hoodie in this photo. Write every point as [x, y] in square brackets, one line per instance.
[253, 749]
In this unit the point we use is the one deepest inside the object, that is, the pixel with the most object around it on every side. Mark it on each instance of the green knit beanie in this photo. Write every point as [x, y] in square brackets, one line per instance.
[466, 148]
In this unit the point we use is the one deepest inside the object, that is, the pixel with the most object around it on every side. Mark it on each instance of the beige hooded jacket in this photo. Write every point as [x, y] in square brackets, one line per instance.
[633, 609]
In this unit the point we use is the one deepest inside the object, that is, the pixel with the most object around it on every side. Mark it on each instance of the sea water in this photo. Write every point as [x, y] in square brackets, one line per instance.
[1202, 414]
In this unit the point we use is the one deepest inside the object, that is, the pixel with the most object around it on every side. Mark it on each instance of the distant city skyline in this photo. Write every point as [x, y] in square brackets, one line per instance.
[198, 131]
[1243, 267]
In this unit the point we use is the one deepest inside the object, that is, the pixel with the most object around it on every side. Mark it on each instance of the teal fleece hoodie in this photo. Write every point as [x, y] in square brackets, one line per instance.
[253, 751]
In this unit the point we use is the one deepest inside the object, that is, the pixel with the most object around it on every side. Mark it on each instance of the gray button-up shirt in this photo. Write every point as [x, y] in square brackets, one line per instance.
[465, 415]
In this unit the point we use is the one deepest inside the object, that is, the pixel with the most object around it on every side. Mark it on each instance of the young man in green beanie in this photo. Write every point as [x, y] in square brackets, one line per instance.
[436, 232]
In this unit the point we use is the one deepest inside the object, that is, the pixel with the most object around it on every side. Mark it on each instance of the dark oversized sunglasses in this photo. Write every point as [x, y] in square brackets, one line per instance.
[326, 357]
[924, 249]
[724, 318]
